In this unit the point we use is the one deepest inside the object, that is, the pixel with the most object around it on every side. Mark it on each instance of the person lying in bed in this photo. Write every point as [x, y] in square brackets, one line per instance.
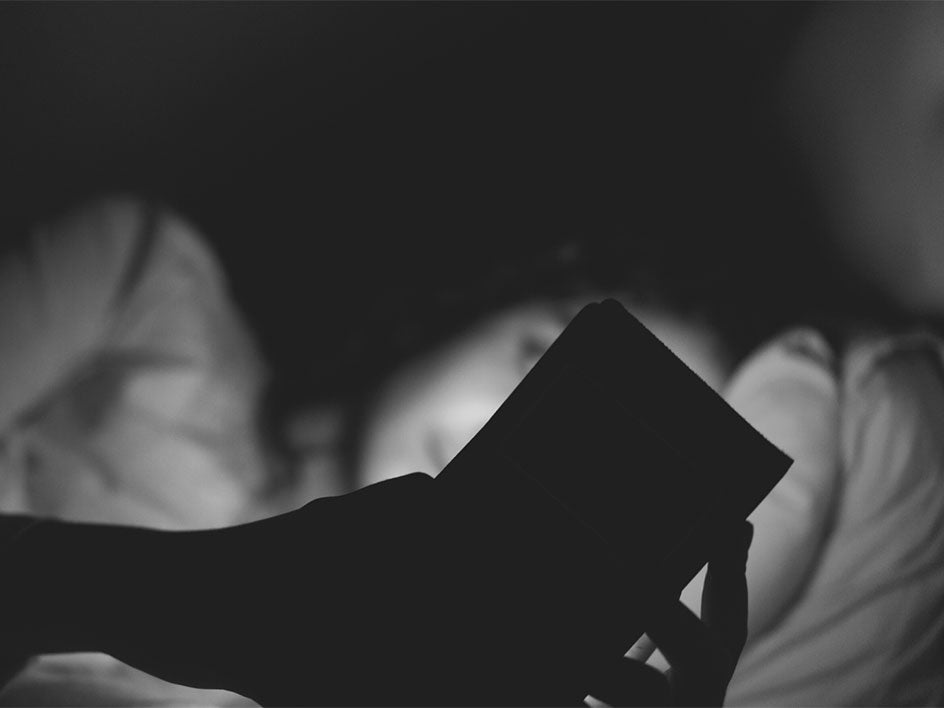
[274, 612]
[845, 579]
[168, 374]
[129, 387]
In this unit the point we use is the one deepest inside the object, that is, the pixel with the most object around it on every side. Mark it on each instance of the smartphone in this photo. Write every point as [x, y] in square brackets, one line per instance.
[611, 463]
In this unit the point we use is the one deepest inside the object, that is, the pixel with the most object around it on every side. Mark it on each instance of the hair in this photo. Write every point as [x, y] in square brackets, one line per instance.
[744, 265]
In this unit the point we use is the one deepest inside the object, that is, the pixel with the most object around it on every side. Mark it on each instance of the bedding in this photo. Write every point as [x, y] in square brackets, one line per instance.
[128, 395]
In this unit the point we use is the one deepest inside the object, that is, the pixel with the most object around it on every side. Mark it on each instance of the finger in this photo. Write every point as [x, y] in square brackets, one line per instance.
[629, 683]
[733, 546]
[700, 668]
[684, 640]
[724, 598]
[703, 657]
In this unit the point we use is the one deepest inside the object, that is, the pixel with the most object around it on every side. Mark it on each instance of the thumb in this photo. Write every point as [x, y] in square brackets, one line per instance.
[724, 603]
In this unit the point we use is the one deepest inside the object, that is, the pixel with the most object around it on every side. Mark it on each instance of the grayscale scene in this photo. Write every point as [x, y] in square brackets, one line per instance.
[471, 353]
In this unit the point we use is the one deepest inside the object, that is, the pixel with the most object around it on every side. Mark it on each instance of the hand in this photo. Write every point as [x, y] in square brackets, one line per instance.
[394, 595]
[398, 594]
[702, 654]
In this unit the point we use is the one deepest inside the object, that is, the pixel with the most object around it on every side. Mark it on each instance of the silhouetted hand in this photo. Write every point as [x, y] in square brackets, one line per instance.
[393, 601]
[399, 594]
[702, 654]
[394, 595]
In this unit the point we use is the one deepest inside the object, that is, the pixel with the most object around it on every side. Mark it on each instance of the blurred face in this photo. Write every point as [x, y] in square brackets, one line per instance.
[429, 410]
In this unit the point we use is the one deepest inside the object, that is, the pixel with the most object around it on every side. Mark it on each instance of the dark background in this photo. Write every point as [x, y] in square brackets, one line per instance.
[352, 162]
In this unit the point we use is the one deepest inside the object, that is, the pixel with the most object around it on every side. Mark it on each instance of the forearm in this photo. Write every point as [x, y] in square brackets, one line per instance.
[235, 608]
[134, 593]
